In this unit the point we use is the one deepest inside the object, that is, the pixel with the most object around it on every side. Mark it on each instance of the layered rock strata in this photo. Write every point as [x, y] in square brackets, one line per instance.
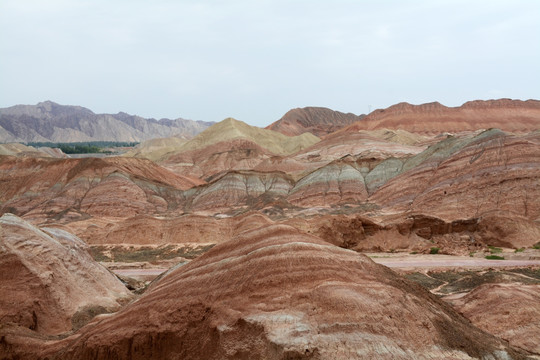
[50, 283]
[432, 119]
[275, 293]
[319, 121]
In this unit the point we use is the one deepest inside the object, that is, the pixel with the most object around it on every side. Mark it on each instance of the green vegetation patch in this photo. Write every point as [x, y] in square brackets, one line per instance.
[494, 257]
[88, 147]
[494, 250]
[434, 250]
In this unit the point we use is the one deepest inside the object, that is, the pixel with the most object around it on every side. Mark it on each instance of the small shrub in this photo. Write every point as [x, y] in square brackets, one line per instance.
[434, 250]
[520, 250]
[494, 257]
[471, 254]
[494, 250]
[536, 246]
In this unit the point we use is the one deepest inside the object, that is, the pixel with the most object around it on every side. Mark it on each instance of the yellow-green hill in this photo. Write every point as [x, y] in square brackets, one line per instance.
[230, 129]
[154, 149]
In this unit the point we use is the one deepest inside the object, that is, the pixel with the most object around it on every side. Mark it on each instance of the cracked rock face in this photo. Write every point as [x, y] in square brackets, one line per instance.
[276, 293]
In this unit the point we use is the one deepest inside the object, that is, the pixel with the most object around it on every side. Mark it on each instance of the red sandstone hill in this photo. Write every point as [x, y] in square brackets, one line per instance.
[49, 282]
[319, 121]
[76, 188]
[464, 177]
[433, 118]
[277, 293]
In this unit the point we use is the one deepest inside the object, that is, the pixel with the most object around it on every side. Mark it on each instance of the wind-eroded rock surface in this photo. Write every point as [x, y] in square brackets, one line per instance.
[49, 282]
[275, 293]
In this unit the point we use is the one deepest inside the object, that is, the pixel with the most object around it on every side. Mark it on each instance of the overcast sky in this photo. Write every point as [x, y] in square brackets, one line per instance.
[255, 60]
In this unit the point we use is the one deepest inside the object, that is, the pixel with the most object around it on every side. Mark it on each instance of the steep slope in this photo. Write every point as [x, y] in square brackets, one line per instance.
[510, 311]
[48, 121]
[70, 189]
[230, 155]
[431, 119]
[319, 121]
[239, 189]
[468, 177]
[50, 283]
[340, 182]
[276, 293]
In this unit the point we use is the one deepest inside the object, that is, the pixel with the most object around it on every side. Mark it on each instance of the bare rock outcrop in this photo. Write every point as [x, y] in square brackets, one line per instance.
[510, 311]
[337, 183]
[72, 189]
[50, 283]
[319, 121]
[205, 163]
[276, 293]
[238, 188]
[464, 178]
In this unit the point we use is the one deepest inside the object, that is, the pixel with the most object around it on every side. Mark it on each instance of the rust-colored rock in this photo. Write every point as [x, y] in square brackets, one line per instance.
[510, 311]
[431, 119]
[72, 189]
[275, 293]
[465, 178]
[319, 121]
[49, 282]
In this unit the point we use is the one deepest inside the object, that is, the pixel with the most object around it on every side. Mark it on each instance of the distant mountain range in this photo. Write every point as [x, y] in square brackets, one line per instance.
[48, 121]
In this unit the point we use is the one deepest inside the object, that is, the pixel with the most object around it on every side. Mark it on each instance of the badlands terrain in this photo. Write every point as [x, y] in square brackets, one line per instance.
[412, 232]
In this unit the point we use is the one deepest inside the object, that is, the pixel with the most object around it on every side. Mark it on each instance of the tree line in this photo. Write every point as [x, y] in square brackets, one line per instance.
[85, 147]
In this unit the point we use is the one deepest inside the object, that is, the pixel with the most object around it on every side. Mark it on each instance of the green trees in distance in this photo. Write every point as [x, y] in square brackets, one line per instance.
[87, 147]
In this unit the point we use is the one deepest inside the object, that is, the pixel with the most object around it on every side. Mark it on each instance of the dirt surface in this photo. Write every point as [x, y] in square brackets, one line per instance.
[399, 262]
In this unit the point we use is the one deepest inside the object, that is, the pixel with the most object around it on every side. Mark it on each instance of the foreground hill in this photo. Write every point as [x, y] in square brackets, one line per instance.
[276, 293]
[432, 119]
[319, 121]
[50, 283]
[48, 121]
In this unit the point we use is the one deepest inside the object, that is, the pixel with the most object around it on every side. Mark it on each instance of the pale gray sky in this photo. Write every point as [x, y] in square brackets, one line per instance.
[255, 60]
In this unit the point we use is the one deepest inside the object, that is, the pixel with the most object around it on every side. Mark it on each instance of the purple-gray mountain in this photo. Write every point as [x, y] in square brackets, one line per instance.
[48, 121]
